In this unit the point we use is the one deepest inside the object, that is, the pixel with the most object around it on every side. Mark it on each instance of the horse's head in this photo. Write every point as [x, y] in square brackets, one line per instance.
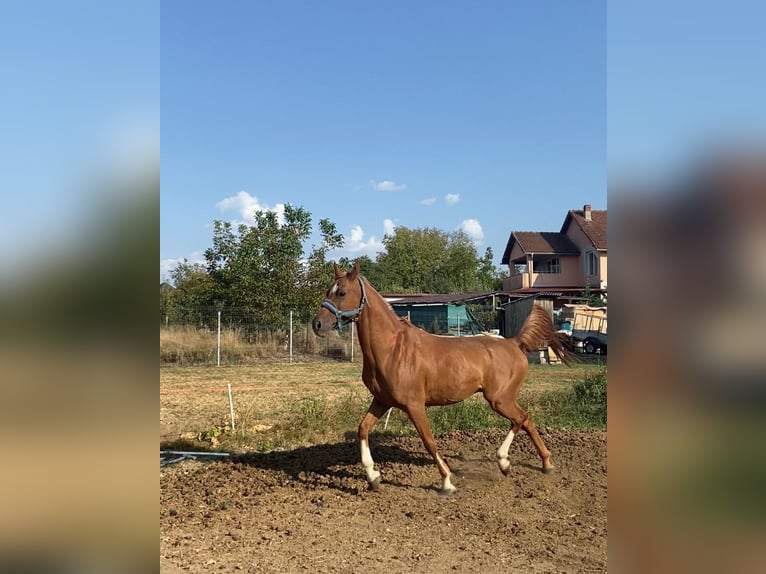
[343, 303]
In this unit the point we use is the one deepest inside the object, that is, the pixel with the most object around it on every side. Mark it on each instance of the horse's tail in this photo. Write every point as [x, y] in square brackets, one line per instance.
[538, 331]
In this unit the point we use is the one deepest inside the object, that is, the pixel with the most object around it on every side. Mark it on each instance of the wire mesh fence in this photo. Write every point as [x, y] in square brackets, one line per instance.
[234, 337]
[207, 336]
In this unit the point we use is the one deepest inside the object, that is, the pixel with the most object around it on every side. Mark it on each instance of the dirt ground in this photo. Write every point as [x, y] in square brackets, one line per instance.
[309, 509]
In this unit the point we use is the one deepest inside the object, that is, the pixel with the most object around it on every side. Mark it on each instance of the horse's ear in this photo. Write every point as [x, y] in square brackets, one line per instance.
[338, 271]
[354, 273]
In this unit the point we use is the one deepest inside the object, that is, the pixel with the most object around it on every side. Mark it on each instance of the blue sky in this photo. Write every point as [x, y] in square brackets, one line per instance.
[79, 104]
[508, 108]
[489, 117]
[682, 77]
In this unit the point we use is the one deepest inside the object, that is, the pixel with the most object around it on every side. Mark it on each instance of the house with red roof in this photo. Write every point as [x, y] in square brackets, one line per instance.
[560, 264]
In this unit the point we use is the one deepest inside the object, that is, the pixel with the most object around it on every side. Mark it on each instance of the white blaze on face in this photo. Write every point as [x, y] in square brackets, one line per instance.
[334, 289]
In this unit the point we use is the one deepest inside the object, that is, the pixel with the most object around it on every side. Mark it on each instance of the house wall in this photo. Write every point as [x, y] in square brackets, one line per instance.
[602, 267]
[516, 253]
[518, 281]
[571, 274]
[579, 238]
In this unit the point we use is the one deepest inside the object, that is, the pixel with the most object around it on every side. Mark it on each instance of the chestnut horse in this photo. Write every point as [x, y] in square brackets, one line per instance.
[408, 368]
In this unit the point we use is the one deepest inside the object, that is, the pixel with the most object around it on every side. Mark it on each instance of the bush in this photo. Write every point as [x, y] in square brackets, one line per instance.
[582, 406]
[591, 395]
[471, 414]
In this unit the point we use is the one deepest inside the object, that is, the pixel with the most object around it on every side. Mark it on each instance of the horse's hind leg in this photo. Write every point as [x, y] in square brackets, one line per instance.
[375, 411]
[544, 453]
[513, 412]
[420, 420]
[503, 460]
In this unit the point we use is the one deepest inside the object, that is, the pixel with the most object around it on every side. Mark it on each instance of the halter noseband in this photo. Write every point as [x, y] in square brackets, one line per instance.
[349, 315]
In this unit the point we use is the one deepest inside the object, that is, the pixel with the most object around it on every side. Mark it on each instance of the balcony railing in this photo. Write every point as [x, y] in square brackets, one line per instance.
[522, 280]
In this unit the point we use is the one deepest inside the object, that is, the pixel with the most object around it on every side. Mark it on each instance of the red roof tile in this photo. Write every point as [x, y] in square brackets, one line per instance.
[595, 229]
[540, 242]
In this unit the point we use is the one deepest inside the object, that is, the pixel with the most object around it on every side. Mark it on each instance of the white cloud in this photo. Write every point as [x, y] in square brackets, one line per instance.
[387, 185]
[472, 228]
[357, 245]
[428, 201]
[166, 266]
[246, 205]
[279, 209]
[452, 198]
[170, 263]
[388, 227]
[357, 234]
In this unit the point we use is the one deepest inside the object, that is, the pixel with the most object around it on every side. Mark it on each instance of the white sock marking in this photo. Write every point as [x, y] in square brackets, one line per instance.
[367, 462]
[447, 483]
[502, 452]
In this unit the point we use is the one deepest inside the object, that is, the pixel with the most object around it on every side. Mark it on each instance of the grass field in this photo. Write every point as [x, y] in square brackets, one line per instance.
[283, 405]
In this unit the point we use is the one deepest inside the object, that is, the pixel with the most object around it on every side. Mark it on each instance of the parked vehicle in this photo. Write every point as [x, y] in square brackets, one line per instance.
[588, 328]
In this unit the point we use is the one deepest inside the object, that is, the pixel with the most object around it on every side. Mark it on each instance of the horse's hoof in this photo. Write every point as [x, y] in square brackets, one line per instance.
[506, 471]
[445, 492]
[548, 469]
[375, 484]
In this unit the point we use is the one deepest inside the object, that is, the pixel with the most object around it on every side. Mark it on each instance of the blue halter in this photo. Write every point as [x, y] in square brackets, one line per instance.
[349, 315]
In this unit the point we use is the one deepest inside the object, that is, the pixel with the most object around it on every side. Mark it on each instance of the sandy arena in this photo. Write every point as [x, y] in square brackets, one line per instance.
[310, 510]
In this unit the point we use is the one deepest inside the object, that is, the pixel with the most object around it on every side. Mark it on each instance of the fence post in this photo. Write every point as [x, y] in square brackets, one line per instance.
[218, 351]
[231, 405]
[291, 335]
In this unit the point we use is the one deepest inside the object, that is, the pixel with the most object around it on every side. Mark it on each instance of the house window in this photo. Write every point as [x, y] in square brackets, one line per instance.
[550, 266]
[591, 264]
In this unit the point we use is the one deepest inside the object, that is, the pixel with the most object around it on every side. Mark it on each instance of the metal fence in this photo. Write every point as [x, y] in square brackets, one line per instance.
[229, 336]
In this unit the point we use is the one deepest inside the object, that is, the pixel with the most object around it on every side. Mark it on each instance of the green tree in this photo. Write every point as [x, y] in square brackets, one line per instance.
[411, 260]
[367, 267]
[430, 260]
[318, 270]
[258, 270]
[191, 300]
[490, 277]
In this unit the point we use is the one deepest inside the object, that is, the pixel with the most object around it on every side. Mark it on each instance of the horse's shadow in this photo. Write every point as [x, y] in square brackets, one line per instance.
[333, 465]
[338, 465]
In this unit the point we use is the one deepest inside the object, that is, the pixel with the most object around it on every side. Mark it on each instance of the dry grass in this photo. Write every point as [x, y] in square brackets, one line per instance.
[191, 346]
[280, 404]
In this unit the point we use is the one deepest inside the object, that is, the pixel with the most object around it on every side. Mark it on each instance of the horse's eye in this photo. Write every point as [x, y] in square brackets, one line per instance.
[341, 293]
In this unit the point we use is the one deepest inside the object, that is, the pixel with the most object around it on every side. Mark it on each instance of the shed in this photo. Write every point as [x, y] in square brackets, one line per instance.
[438, 314]
[516, 313]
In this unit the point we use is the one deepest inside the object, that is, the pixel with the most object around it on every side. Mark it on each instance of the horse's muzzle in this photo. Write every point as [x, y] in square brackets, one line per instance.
[321, 326]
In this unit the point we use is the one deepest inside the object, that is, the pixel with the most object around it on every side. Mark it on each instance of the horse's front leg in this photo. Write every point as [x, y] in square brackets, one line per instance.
[420, 420]
[375, 411]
